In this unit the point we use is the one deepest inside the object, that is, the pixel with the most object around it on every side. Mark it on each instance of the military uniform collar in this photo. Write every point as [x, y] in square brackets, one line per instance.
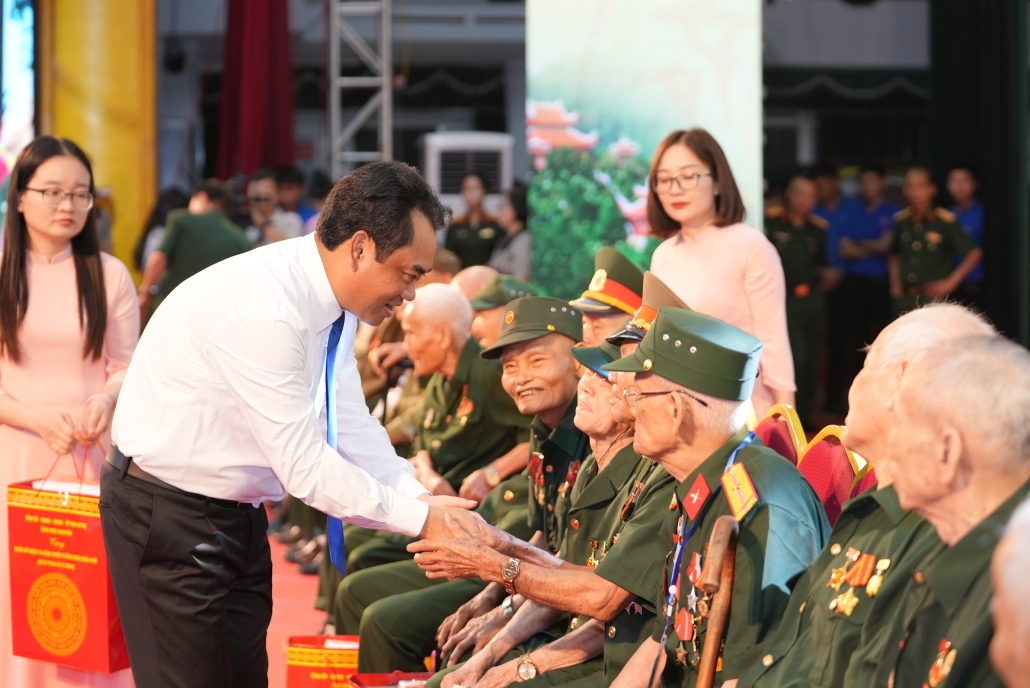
[887, 498]
[566, 435]
[469, 355]
[952, 572]
[611, 479]
[712, 468]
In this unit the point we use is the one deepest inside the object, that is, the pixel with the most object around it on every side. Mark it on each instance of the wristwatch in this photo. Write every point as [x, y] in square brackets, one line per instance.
[525, 668]
[506, 607]
[509, 573]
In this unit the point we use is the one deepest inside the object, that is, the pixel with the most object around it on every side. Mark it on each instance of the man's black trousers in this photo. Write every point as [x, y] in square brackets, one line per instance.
[193, 580]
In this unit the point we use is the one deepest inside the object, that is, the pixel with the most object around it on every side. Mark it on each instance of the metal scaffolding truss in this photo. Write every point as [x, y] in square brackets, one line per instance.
[380, 62]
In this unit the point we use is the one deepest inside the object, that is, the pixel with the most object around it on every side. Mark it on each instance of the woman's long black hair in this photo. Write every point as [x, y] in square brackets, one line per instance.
[89, 274]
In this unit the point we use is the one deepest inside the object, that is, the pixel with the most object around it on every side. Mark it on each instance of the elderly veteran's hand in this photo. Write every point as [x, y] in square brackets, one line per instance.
[448, 516]
[456, 558]
[500, 676]
[470, 673]
[482, 603]
[476, 634]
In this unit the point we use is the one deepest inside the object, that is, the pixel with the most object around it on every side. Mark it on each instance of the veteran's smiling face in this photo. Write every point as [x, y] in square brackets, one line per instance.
[540, 375]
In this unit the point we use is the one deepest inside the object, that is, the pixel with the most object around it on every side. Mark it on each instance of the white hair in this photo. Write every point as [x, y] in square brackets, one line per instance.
[980, 385]
[719, 416]
[440, 304]
[922, 330]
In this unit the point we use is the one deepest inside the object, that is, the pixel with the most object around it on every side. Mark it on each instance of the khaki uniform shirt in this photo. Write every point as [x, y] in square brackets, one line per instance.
[555, 458]
[940, 630]
[817, 636]
[469, 420]
[802, 251]
[928, 246]
[779, 538]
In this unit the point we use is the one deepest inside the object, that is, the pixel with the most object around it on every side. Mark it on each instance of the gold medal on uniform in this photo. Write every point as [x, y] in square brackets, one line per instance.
[465, 407]
[942, 665]
[845, 604]
[428, 422]
[873, 586]
[592, 562]
[837, 575]
[861, 572]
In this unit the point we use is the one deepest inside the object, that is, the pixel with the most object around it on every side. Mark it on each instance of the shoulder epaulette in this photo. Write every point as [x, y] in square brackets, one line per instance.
[739, 490]
[818, 222]
[903, 214]
[459, 220]
[945, 214]
[774, 211]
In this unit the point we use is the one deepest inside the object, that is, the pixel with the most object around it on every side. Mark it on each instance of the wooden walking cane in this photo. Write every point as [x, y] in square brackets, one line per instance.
[717, 581]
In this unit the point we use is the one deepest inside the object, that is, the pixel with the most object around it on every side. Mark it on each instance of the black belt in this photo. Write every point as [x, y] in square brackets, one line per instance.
[125, 465]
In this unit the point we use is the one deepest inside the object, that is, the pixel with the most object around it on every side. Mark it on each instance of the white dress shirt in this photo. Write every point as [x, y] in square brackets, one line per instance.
[225, 395]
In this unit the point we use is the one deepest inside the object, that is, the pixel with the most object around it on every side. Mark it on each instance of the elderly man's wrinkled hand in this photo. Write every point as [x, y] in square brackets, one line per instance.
[476, 634]
[452, 558]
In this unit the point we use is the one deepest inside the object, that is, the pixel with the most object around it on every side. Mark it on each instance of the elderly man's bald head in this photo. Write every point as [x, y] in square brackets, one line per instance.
[900, 343]
[471, 280]
[439, 304]
[1010, 606]
[960, 442]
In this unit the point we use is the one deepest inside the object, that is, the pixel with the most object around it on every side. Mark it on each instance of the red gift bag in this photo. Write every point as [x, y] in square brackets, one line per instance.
[394, 679]
[62, 604]
[321, 661]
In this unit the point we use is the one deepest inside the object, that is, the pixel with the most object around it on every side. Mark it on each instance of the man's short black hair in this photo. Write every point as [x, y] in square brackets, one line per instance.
[874, 169]
[968, 169]
[825, 170]
[380, 198]
[288, 174]
[321, 184]
[262, 174]
[216, 191]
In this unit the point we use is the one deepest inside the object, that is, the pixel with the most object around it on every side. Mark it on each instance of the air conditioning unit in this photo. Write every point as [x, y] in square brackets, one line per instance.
[448, 156]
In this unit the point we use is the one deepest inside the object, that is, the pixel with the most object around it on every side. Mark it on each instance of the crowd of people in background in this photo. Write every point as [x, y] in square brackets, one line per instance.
[574, 424]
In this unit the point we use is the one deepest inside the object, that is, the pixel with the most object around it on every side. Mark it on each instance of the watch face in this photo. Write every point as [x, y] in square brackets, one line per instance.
[527, 670]
[510, 569]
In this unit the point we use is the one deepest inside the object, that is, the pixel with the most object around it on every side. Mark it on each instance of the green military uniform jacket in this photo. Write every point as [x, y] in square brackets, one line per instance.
[802, 250]
[602, 508]
[636, 552]
[941, 628]
[469, 421]
[473, 245]
[555, 458]
[927, 247]
[780, 536]
[817, 636]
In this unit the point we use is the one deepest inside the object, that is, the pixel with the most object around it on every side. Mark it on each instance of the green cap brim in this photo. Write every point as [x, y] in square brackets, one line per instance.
[483, 305]
[592, 306]
[514, 337]
[634, 363]
[594, 358]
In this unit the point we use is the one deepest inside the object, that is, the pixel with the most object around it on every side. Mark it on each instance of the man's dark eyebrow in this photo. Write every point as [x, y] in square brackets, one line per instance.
[421, 270]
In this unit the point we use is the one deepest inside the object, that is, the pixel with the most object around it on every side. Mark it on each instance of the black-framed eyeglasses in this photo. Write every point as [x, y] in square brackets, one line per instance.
[54, 197]
[630, 393]
[682, 181]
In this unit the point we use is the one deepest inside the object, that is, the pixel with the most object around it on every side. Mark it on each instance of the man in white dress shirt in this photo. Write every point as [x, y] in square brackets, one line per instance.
[225, 405]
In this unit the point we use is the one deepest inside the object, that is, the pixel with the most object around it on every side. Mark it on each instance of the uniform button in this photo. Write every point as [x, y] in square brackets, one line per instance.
[436, 444]
[508, 495]
[919, 577]
[574, 523]
[767, 661]
[835, 549]
[802, 610]
[611, 631]
[549, 469]
[916, 245]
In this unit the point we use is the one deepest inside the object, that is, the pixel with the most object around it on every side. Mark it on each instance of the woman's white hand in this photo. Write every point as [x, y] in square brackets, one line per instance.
[98, 418]
[57, 430]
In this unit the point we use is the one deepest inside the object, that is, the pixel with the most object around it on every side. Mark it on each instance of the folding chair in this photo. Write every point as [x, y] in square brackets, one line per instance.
[830, 469]
[781, 431]
[865, 479]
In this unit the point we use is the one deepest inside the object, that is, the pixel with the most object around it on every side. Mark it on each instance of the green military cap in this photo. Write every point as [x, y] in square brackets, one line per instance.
[500, 291]
[532, 317]
[617, 284]
[657, 295]
[594, 357]
[698, 352]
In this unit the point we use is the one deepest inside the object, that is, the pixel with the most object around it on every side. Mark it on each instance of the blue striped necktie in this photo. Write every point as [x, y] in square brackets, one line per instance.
[334, 526]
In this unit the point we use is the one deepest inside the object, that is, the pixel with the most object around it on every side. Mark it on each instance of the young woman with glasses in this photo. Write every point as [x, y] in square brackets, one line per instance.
[714, 262]
[68, 325]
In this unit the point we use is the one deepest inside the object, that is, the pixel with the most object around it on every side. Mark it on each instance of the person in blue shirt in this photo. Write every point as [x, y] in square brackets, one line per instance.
[842, 213]
[962, 187]
[865, 290]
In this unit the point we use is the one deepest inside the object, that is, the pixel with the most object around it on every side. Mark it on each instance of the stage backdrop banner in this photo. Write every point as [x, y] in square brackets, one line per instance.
[607, 80]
